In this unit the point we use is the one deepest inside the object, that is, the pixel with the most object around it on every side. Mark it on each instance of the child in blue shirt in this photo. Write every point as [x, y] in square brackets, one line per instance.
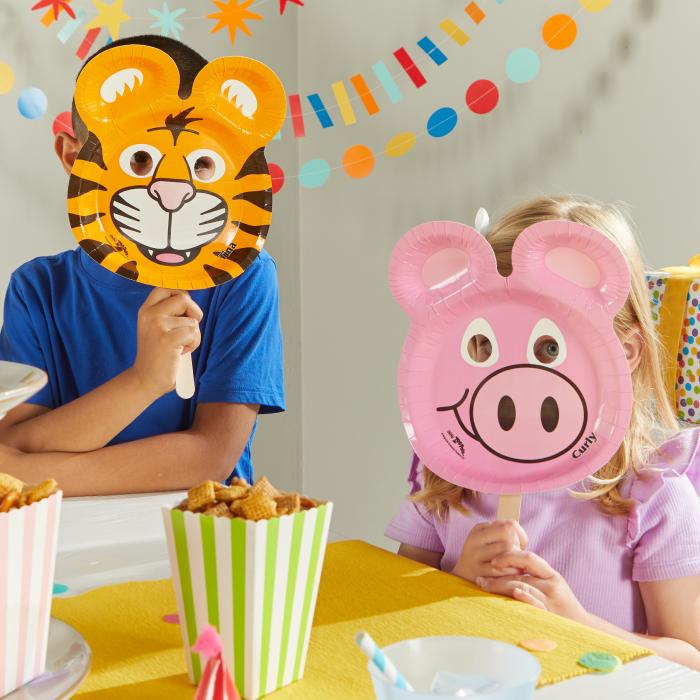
[108, 420]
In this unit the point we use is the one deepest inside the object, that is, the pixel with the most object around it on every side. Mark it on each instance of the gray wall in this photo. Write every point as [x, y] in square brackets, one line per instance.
[614, 117]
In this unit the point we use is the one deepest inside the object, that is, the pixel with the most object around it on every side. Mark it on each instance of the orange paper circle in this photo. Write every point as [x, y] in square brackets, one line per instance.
[559, 32]
[358, 161]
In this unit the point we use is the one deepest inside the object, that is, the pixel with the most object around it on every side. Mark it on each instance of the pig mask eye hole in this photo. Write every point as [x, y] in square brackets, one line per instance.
[546, 346]
[479, 345]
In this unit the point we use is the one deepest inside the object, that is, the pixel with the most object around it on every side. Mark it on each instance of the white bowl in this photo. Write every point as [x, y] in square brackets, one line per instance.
[420, 659]
[18, 383]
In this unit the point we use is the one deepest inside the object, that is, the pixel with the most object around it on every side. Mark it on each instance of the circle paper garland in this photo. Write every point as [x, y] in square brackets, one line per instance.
[358, 161]
[441, 122]
[32, 103]
[314, 173]
[522, 65]
[400, 144]
[482, 96]
[7, 78]
[277, 175]
[559, 32]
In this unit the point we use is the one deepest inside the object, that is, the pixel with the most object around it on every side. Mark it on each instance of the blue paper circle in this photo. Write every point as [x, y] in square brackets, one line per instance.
[314, 173]
[32, 103]
[442, 121]
[522, 65]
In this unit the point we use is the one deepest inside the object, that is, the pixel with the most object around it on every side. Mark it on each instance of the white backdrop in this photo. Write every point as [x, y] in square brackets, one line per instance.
[614, 116]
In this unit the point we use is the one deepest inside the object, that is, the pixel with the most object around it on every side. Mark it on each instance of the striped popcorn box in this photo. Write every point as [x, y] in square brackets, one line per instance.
[27, 558]
[256, 583]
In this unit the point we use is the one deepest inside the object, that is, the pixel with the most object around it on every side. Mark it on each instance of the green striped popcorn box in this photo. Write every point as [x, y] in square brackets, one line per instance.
[257, 583]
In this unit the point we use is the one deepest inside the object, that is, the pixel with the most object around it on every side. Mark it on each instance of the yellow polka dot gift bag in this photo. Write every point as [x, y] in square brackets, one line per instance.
[675, 302]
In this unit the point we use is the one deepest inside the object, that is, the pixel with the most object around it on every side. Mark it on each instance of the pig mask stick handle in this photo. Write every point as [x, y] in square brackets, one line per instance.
[509, 507]
[184, 381]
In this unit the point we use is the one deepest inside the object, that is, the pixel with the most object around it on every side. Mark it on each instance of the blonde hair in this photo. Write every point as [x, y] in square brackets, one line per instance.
[652, 419]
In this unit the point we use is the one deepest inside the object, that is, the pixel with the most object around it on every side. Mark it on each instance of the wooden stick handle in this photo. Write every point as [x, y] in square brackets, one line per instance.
[184, 382]
[509, 507]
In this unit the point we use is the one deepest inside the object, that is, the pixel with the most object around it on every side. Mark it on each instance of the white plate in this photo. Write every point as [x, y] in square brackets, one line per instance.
[67, 663]
[18, 383]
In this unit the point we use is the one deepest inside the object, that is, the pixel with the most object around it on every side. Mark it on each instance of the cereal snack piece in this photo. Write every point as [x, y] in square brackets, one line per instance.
[182, 505]
[9, 483]
[220, 510]
[9, 500]
[231, 493]
[264, 489]
[201, 496]
[256, 508]
[288, 503]
[236, 509]
[43, 490]
[307, 503]
[238, 481]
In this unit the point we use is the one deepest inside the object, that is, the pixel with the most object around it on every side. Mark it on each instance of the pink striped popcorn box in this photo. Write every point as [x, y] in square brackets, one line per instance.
[28, 538]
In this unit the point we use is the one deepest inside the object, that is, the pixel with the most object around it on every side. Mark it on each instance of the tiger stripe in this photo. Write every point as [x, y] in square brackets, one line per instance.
[254, 165]
[86, 169]
[252, 230]
[262, 198]
[251, 214]
[252, 182]
[82, 220]
[80, 185]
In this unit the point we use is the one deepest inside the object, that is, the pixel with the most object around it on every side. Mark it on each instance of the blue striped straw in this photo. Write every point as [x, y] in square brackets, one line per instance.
[381, 662]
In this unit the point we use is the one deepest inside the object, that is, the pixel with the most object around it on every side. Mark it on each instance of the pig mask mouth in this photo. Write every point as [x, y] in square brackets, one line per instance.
[507, 415]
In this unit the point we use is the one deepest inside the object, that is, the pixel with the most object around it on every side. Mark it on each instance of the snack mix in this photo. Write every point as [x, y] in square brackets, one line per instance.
[14, 493]
[241, 500]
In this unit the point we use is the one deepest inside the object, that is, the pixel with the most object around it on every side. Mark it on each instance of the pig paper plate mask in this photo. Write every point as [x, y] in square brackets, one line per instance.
[168, 191]
[512, 384]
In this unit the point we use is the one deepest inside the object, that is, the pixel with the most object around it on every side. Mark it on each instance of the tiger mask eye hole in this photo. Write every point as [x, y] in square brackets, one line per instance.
[546, 349]
[205, 168]
[141, 163]
[479, 348]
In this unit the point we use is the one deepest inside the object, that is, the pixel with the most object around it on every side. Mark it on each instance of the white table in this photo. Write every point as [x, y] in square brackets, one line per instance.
[115, 539]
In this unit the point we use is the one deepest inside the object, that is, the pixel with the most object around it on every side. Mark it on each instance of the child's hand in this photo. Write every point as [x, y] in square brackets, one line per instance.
[486, 541]
[539, 584]
[168, 327]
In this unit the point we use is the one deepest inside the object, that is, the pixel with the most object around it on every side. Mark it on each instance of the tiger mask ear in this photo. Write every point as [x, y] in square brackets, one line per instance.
[121, 80]
[247, 93]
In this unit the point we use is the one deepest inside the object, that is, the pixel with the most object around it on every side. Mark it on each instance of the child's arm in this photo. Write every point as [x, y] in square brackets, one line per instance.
[422, 556]
[167, 323]
[672, 606]
[169, 462]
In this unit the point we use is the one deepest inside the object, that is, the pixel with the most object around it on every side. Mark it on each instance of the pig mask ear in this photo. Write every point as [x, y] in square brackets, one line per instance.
[436, 260]
[574, 263]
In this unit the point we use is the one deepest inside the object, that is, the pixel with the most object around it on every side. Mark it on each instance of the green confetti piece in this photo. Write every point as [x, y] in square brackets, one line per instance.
[600, 661]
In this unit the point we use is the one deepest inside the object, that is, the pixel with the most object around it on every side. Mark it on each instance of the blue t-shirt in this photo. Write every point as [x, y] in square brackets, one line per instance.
[77, 321]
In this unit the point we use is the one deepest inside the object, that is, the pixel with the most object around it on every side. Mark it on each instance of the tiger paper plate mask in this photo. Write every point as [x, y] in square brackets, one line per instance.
[513, 384]
[174, 192]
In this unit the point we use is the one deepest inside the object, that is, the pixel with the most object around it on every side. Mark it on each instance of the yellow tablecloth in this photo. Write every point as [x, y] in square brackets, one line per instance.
[137, 655]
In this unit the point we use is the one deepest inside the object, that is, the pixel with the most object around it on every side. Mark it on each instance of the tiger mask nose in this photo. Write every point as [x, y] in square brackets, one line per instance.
[171, 194]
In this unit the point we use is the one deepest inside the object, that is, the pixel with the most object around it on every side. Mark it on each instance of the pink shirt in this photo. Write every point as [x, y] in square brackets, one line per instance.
[601, 557]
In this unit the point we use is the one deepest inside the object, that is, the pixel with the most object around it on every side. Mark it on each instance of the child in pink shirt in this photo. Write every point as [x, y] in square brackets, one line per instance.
[619, 552]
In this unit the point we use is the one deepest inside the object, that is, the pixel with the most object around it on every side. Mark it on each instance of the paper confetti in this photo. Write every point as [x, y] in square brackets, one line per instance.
[600, 661]
[56, 6]
[166, 20]
[109, 16]
[283, 4]
[233, 16]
